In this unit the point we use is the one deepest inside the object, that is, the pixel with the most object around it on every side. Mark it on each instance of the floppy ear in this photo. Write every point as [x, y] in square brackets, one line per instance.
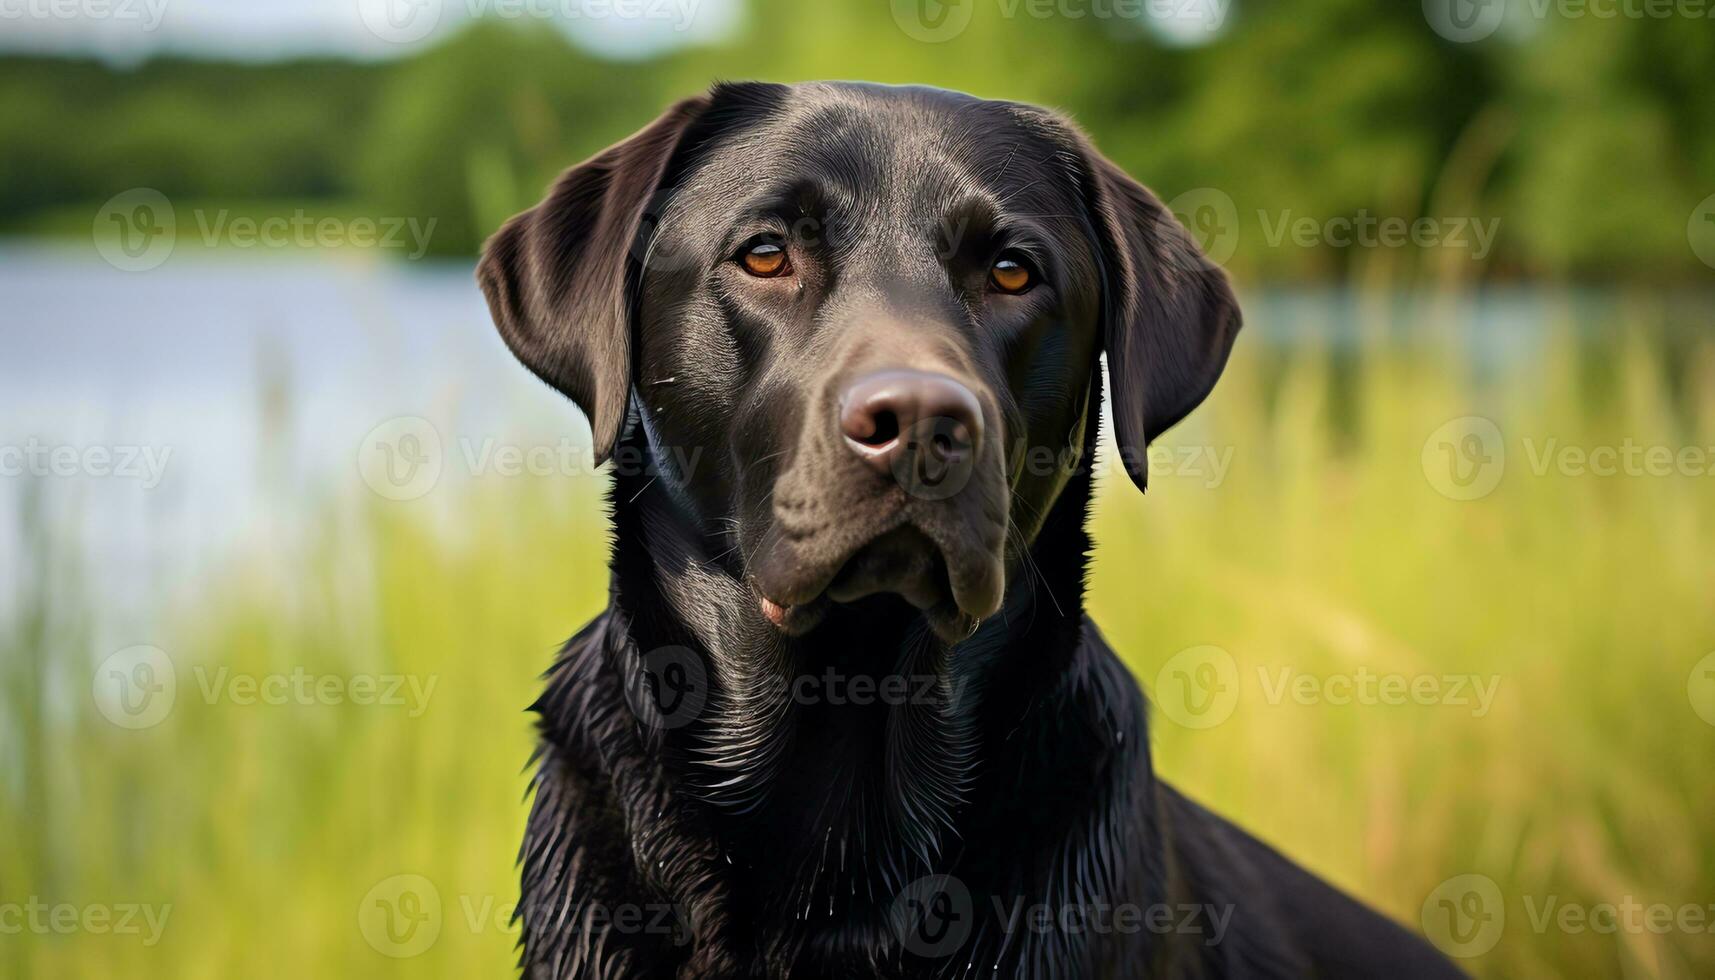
[560, 277]
[1169, 314]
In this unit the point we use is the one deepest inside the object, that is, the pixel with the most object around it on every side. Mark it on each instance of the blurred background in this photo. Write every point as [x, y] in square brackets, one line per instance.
[1424, 594]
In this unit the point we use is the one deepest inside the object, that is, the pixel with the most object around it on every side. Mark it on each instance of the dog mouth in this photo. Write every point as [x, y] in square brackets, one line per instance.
[904, 561]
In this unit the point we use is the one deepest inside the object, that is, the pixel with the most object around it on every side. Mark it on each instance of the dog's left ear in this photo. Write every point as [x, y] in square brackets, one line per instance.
[1169, 315]
[558, 277]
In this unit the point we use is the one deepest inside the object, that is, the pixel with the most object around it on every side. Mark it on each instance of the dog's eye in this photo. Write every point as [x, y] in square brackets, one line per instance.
[765, 260]
[1010, 274]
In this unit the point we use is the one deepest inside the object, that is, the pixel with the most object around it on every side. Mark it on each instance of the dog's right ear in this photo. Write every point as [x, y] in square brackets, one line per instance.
[559, 278]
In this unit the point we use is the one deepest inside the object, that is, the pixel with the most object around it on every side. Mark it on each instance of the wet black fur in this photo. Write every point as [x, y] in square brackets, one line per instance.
[770, 837]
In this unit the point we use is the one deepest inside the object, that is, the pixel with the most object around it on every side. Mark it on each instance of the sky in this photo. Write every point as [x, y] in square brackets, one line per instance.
[123, 31]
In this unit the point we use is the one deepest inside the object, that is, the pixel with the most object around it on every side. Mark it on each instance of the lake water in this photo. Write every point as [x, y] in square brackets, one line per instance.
[254, 383]
[229, 393]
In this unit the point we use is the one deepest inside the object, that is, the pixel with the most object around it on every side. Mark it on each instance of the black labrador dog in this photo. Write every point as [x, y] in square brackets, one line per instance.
[844, 715]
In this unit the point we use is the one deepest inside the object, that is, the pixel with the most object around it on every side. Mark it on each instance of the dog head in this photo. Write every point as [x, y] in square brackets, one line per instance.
[860, 328]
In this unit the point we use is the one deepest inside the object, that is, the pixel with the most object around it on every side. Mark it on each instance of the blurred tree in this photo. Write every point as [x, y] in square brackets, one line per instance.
[474, 130]
[1619, 149]
[1592, 139]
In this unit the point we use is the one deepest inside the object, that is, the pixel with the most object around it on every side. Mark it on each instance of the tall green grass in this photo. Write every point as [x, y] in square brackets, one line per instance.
[1325, 550]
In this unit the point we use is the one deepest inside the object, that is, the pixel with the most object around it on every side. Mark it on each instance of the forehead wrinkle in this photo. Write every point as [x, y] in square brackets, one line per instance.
[827, 150]
[884, 152]
[1010, 168]
[874, 159]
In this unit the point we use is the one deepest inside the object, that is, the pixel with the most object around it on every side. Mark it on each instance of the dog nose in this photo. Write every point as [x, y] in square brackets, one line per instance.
[914, 419]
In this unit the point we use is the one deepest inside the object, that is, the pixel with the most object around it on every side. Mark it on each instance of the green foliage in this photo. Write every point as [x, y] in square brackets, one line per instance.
[1592, 139]
[487, 121]
[77, 133]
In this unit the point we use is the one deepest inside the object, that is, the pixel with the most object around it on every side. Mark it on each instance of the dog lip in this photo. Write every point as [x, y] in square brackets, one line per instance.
[789, 577]
[951, 623]
[772, 611]
[978, 585]
[951, 579]
[902, 561]
[793, 619]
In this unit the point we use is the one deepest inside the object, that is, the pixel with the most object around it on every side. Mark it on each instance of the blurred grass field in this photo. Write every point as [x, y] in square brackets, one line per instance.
[273, 831]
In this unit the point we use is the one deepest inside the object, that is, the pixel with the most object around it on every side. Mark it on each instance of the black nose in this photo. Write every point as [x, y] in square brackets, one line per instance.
[911, 420]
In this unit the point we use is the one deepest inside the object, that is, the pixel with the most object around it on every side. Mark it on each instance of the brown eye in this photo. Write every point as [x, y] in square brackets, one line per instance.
[1009, 275]
[765, 260]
